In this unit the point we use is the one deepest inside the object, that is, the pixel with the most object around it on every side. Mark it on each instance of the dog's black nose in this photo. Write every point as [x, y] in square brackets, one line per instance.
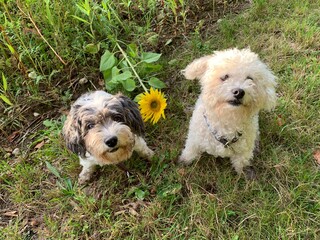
[238, 93]
[111, 142]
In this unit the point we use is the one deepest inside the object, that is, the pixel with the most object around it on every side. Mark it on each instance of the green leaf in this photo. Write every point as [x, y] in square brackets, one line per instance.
[107, 61]
[114, 73]
[169, 190]
[68, 184]
[150, 57]
[132, 50]
[129, 85]
[138, 97]
[48, 123]
[84, 7]
[5, 99]
[173, 61]
[10, 48]
[48, 12]
[4, 82]
[153, 67]
[80, 19]
[92, 48]
[140, 194]
[235, 237]
[107, 75]
[131, 191]
[122, 76]
[147, 68]
[124, 64]
[156, 83]
[231, 213]
[53, 170]
[110, 86]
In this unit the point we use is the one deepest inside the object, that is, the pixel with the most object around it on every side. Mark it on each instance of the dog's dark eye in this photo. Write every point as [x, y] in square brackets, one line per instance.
[248, 77]
[117, 119]
[90, 126]
[225, 77]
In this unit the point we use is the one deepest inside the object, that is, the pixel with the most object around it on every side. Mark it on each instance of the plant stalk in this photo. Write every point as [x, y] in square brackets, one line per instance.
[131, 66]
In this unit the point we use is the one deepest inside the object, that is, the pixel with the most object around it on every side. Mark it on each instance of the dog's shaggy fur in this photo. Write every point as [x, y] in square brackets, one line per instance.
[236, 85]
[104, 129]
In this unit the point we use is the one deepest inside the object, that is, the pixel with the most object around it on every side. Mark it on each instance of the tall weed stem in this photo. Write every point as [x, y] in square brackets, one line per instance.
[131, 66]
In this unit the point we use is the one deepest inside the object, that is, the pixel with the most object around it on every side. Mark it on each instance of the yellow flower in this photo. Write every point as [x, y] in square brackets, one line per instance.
[152, 105]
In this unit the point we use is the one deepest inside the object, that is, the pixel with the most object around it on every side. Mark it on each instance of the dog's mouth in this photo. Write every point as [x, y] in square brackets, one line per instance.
[113, 150]
[235, 102]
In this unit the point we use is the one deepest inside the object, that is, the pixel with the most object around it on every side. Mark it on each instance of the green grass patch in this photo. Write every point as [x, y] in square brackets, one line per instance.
[39, 194]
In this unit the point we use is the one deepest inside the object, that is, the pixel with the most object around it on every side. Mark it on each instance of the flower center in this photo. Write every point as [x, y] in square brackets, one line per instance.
[154, 105]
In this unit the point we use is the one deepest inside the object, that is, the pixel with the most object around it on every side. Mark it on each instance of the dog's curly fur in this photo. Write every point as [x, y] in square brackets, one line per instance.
[236, 85]
[104, 129]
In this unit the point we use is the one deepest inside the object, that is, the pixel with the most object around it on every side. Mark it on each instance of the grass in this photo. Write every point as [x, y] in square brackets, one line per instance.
[40, 198]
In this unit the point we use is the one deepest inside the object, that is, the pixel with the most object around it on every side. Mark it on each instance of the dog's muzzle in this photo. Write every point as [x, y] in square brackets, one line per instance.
[238, 95]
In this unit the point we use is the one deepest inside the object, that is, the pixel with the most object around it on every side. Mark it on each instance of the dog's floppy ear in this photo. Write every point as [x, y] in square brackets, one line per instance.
[269, 81]
[271, 94]
[71, 133]
[131, 113]
[197, 68]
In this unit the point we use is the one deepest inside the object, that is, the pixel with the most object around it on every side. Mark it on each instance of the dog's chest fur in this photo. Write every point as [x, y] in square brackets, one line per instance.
[247, 126]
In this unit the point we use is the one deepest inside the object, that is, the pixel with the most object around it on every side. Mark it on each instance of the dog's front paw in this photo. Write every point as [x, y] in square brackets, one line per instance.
[183, 161]
[85, 176]
[83, 179]
[149, 154]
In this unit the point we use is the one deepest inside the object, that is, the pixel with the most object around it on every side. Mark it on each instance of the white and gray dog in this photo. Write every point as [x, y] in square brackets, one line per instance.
[104, 129]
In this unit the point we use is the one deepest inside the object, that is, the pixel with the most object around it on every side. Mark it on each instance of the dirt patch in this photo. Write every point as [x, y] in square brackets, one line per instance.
[200, 16]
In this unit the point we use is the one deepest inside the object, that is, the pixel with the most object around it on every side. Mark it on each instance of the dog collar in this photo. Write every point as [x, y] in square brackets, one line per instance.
[222, 139]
